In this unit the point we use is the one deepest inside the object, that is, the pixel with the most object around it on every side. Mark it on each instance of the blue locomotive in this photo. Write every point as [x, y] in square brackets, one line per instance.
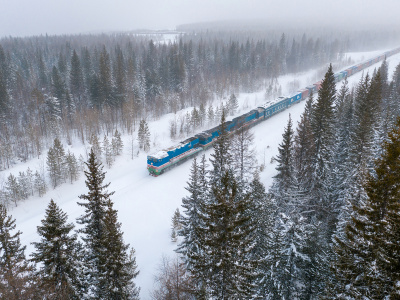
[163, 160]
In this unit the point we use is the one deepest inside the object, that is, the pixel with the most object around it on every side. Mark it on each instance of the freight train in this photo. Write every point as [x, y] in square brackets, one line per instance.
[166, 159]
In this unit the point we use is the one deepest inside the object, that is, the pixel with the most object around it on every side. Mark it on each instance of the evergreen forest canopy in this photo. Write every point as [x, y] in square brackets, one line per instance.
[76, 86]
[329, 226]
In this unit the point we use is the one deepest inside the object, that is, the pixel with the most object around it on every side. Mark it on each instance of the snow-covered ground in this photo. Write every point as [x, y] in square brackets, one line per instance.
[146, 204]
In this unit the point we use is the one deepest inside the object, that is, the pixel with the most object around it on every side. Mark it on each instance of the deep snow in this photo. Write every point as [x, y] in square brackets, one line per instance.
[146, 204]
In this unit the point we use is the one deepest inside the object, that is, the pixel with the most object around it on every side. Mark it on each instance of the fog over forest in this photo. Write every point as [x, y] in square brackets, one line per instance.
[24, 17]
[273, 128]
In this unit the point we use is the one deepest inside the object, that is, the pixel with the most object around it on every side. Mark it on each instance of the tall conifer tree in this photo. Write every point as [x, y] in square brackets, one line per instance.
[58, 255]
[367, 257]
[16, 281]
[96, 204]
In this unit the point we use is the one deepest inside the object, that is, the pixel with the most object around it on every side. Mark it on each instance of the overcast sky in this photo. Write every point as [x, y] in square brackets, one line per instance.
[34, 17]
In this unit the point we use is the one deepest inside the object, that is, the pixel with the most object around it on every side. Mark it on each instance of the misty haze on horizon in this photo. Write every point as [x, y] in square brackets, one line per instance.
[39, 17]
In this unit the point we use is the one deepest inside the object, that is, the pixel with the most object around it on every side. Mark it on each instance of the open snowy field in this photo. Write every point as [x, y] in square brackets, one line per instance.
[146, 204]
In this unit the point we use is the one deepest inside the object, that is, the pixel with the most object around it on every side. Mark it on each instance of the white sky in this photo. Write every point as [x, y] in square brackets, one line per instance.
[34, 17]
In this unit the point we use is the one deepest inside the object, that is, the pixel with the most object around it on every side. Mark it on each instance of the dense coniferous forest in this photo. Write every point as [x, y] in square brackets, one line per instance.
[327, 228]
[78, 86]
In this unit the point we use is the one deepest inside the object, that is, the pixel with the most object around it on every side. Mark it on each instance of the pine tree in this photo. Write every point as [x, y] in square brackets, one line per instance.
[210, 115]
[144, 136]
[243, 154]
[4, 99]
[56, 163]
[24, 187]
[57, 84]
[195, 119]
[290, 271]
[94, 142]
[105, 80]
[175, 225]
[30, 181]
[264, 214]
[118, 267]
[53, 114]
[192, 246]
[233, 104]
[322, 123]
[117, 144]
[315, 266]
[40, 184]
[284, 180]
[72, 167]
[96, 205]
[221, 159]
[16, 281]
[202, 114]
[367, 257]
[361, 146]
[58, 255]
[108, 152]
[110, 269]
[341, 149]
[120, 78]
[13, 189]
[303, 152]
[229, 241]
[76, 82]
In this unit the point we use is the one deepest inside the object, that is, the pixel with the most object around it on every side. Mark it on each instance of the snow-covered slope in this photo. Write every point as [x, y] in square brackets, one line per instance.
[146, 204]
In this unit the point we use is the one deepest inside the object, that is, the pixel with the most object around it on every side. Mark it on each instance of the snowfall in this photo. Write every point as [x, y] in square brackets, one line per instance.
[146, 204]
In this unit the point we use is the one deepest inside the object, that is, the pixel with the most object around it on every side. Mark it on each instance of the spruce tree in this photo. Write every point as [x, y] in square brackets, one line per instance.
[56, 163]
[229, 241]
[366, 260]
[303, 153]
[243, 154]
[264, 215]
[144, 136]
[4, 99]
[384, 211]
[72, 167]
[120, 78]
[118, 266]
[57, 84]
[233, 104]
[16, 281]
[96, 203]
[107, 148]
[40, 184]
[13, 189]
[57, 255]
[284, 180]
[76, 77]
[192, 246]
[322, 123]
[106, 95]
[221, 159]
[109, 269]
[116, 143]
[175, 225]
[210, 115]
[97, 149]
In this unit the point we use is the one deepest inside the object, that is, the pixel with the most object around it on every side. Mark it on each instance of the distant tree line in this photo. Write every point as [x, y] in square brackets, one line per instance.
[76, 86]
